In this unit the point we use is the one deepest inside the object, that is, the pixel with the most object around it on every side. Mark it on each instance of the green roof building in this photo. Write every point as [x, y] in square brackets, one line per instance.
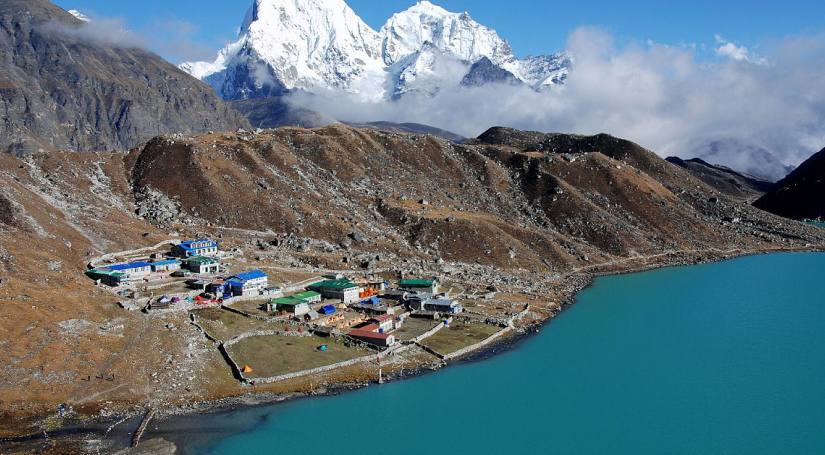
[342, 289]
[419, 285]
[297, 303]
[109, 277]
[301, 297]
[202, 264]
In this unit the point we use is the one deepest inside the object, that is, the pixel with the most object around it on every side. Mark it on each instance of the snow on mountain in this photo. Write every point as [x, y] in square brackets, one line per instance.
[289, 44]
[316, 45]
[78, 15]
[425, 71]
[544, 71]
[456, 34]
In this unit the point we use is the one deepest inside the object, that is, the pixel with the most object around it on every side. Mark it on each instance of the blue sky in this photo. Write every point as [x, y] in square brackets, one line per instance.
[195, 29]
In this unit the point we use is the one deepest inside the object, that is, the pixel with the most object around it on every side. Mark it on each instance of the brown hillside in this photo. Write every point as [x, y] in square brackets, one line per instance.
[523, 212]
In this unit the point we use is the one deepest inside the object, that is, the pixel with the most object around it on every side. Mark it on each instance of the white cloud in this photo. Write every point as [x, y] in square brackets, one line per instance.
[663, 97]
[173, 38]
[98, 31]
[735, 52]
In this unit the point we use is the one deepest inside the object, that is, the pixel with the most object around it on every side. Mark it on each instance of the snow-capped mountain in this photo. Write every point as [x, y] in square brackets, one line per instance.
[316, 45]
[287, 44]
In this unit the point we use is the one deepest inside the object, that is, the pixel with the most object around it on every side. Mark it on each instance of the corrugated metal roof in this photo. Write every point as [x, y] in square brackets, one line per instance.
[306, 295]
[296, 299]
[203, 260]
[416, 283]
[104, 272]
[334, 284]
[361, 333]
[187, 245]
[250, 275]
[128, 266]
[166, 262]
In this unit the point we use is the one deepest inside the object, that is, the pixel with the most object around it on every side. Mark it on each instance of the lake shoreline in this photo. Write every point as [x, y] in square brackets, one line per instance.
[573, 284]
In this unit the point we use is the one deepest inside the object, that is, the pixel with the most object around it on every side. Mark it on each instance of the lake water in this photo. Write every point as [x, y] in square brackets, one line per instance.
[723, 358]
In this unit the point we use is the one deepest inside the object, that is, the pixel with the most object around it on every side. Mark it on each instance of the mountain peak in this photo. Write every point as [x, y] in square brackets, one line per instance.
[427, 7]
[286, 45]
[453, 33]
[294, 44]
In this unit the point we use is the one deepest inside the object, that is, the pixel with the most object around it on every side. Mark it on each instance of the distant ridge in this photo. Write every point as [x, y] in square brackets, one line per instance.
[724, 179]
[800, 195]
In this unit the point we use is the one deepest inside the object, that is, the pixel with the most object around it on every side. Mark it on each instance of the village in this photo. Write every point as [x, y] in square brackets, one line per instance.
[271, 327]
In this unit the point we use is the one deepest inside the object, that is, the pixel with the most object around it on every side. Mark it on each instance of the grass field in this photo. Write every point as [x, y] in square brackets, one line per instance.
[414, 327]
[459, 335]
[274, 355]
[252, 307]
[224, 325]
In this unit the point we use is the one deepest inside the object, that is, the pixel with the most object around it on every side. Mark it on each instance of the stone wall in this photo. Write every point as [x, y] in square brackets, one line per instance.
[431, 332]
[94, 262]
[479, 345]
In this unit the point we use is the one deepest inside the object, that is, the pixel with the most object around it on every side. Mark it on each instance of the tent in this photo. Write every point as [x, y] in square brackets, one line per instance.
[246, 369]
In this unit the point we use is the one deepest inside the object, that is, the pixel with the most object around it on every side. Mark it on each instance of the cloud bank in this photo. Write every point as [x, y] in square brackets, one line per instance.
[174, 38]
[667, 98]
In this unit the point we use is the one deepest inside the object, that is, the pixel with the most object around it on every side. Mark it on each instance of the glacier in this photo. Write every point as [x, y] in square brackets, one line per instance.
[321, 45]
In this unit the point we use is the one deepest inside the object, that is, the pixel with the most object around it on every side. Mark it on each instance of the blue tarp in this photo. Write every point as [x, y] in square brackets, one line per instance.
[371, 301]
[329, 309]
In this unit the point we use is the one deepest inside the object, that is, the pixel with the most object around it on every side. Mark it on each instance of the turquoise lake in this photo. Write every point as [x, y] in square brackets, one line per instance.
[723, 358]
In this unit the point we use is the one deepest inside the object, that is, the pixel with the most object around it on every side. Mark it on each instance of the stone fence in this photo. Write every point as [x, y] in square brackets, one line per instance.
[312, 371]
[266, 333]
[94, 261]
[431, 332]
[398, 348]
[491, 338]
[193, 320]
[479, 345]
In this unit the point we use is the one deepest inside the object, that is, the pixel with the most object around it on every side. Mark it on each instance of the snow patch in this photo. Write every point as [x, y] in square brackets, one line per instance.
[78, 15]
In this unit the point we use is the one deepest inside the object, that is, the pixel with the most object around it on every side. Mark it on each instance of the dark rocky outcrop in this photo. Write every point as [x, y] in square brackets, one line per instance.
[68, 85]
[485, 72]
[723, 179]
[800, 195]
[275, 112]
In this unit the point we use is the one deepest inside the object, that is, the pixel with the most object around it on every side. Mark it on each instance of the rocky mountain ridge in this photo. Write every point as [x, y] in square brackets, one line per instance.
[64, 87]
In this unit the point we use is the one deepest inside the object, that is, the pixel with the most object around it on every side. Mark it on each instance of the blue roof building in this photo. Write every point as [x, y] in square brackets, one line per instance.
[129, 266]
[130, 270]
[248, 283]
[166, 265]
[192, 248]
[250, 275]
